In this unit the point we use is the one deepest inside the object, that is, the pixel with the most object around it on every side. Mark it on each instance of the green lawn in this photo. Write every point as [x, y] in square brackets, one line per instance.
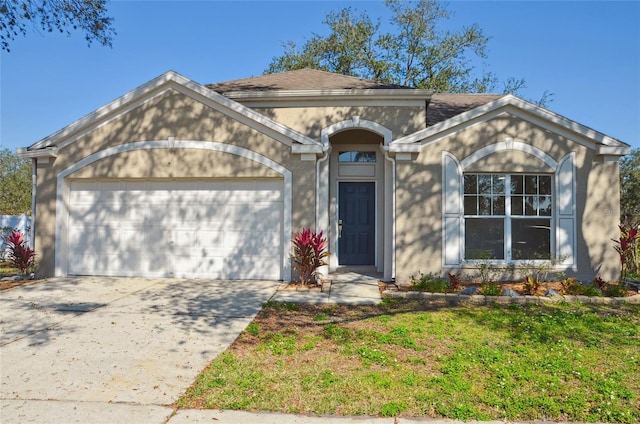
[7, 270]
[561, 362]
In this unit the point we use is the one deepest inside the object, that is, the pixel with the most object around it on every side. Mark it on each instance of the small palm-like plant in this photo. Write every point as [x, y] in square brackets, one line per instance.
[309, 253]
[20, 254]
[455, 284]
[626, 247]
[531, 285]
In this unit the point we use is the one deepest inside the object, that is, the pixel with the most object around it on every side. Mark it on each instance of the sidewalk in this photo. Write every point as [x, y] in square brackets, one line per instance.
[63, 412]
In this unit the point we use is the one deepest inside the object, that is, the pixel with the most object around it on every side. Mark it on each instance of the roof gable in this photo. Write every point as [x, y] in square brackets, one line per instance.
[167, 81]
[597, 141]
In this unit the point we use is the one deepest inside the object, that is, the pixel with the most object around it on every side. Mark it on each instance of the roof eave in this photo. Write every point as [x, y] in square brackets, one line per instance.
[48, 152]
[353, 94]
[174, 80]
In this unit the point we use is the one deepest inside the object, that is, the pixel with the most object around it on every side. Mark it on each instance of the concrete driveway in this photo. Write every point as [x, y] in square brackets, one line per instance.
[121, 342]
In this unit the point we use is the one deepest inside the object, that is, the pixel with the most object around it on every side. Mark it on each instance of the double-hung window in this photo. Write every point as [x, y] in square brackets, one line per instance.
[508, 217]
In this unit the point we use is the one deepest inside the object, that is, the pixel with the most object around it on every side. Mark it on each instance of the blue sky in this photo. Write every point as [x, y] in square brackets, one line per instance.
[586, 53]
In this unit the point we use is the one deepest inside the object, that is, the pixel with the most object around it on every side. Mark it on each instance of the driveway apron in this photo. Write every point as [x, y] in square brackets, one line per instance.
[118, 340]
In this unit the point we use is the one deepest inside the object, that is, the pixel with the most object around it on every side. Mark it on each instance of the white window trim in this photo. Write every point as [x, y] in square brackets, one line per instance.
[564, 243]
[507, 218]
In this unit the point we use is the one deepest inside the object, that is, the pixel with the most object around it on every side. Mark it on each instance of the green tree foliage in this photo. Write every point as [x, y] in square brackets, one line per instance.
[416, 53]
[15, 184]
[630, 189]
[89, 16]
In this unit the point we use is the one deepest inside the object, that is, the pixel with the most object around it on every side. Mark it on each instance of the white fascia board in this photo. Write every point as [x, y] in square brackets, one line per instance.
[561, 121]
[517, 107]
[405, 148]
[105, 110]
[49, 152]
[381, 95]
[613, 150]
[170, 80]
[307, 148]
[331, 102]
[441, 130]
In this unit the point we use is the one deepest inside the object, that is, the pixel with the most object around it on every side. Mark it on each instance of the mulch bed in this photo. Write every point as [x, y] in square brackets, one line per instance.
[6, 285]
[517, 286]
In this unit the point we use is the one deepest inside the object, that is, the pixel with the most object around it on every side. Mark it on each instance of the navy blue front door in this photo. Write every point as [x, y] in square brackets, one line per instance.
[356, 215]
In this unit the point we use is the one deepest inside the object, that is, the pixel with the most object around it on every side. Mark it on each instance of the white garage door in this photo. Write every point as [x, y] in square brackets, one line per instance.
[229, 229]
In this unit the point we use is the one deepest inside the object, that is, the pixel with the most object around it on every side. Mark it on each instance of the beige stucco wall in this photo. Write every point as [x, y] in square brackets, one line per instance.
[401, 120]
[419, 194]
[171, 114]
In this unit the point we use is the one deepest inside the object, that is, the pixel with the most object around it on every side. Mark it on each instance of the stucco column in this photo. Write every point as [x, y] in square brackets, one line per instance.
[389, 271]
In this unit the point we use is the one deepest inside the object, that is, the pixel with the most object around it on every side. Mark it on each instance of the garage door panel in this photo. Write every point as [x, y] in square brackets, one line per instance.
[85, 212]
[253, 217]
[132, 262]
[157, 240]
[250, 242]
[208, 229]
[268, 214]
[88, 263]
[199, 266]
[251, 267]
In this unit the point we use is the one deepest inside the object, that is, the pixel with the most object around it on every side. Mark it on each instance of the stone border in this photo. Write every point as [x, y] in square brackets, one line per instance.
[512, 300]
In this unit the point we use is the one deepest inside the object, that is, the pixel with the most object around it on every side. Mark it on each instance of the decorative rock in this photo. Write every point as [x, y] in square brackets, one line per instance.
[551, 292]
[470, 291]
[12, 278]
[510, 293]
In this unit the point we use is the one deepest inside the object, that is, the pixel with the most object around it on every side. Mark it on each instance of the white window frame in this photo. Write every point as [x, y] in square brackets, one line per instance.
[507, 218]
[564, 201]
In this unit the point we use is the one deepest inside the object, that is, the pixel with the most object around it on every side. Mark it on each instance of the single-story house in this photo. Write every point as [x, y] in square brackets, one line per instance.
[180, 179]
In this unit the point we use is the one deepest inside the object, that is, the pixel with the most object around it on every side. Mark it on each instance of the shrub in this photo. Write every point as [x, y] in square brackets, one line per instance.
[428, 283]
[490, 289]
[309, 254]
[20, 254]
[567, 284]
[627, 248]
[531, 285]
[599, 283]
[615, 290]
[572, 286]
[455, 283]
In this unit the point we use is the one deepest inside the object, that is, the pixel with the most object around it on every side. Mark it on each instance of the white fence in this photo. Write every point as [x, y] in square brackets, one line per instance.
[9, 223]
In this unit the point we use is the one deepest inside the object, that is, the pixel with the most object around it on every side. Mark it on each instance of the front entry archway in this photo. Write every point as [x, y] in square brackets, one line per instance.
[356, 153]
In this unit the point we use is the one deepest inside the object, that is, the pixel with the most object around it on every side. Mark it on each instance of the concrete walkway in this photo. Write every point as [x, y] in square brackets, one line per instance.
[349, 286]
[98, 348]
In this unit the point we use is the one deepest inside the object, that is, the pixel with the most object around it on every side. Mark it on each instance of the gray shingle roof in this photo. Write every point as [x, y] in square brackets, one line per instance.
[302, 79]
[440, 108]
[444, 106]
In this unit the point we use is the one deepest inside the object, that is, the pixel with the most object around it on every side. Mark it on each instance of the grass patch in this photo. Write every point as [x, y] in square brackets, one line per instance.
[422, 359]
[7, 270]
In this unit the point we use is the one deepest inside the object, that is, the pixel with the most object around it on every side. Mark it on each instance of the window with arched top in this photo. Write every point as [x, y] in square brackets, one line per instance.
[508, 216]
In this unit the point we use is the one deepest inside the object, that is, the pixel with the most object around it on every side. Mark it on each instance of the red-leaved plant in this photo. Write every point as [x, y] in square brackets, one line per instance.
[626, 248]
[20, 254]
[309, 253]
